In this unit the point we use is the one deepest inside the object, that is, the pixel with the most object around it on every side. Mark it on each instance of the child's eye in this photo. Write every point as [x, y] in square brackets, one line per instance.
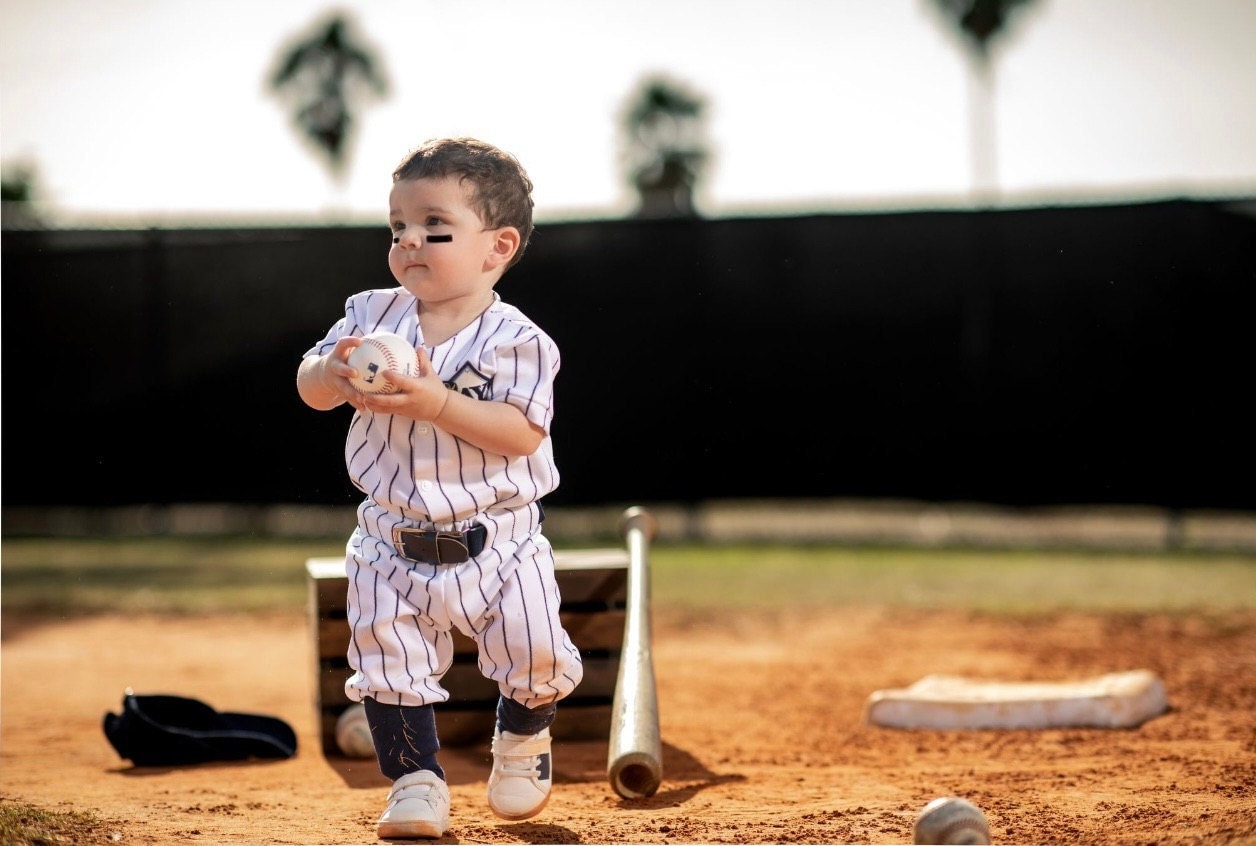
[433, 221]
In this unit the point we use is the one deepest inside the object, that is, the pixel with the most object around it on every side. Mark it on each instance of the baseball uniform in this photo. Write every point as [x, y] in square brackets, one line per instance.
[417, 476]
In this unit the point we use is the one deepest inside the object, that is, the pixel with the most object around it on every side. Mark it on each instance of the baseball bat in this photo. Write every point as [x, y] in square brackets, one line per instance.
[634, 763]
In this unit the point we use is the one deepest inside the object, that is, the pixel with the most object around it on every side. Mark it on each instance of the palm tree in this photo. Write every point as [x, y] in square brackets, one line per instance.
[979, 22]
[664, 147]
[18, 194]
[326, 77]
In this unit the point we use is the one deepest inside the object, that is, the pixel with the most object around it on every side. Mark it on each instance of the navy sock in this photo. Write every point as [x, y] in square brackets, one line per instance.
[405, 738]
[511, 716]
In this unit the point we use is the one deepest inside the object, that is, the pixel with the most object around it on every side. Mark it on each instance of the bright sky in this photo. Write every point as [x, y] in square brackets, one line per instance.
[160, 109]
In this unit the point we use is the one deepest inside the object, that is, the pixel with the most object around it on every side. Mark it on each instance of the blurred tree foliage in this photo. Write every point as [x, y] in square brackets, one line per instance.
[664, 147]
[18, 195]
[980, 20]
[327, 78]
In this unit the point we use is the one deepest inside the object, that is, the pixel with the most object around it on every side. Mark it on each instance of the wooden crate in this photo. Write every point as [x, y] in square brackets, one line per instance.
[593, 584]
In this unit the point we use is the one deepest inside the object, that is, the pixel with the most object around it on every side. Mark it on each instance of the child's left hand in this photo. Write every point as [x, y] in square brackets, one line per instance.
[422, 397]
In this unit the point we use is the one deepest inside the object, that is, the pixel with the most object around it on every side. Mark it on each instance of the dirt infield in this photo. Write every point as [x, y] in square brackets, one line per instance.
[762, 730]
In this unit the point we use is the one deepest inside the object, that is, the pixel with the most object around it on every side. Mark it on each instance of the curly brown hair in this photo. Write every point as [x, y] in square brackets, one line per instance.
[501, 190]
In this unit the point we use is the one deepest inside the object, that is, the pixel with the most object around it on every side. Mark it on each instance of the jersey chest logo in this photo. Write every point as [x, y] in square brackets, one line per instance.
[470, 382]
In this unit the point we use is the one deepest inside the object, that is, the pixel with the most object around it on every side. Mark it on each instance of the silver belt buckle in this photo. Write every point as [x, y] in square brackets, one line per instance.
[431, 546]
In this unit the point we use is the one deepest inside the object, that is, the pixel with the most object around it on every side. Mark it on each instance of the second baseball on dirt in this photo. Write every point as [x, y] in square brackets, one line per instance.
[380, 351]
[951, 820]
[353, 734]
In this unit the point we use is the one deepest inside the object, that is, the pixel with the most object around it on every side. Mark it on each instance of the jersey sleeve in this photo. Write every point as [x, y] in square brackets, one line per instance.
[524, 375]
[335, 333]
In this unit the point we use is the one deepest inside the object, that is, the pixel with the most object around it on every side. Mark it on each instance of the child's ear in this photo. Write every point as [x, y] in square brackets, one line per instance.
[505, 245]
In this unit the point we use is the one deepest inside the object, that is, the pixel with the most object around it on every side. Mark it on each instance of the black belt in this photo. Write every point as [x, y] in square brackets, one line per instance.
[433, 546]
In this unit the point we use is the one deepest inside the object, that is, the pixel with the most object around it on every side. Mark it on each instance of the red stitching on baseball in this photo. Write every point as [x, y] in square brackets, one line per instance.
[387, 353]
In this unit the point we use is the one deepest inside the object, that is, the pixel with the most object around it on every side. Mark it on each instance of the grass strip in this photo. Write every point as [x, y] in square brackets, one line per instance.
[189, 575]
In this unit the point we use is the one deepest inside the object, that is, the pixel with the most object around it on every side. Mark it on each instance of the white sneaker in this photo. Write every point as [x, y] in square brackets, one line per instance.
[418, 806]
[519, 785]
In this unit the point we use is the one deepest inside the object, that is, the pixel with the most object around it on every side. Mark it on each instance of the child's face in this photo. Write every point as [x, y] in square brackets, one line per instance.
[441, 250]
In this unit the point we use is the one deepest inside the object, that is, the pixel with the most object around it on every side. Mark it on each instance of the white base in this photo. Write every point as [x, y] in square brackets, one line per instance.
[1116, 700]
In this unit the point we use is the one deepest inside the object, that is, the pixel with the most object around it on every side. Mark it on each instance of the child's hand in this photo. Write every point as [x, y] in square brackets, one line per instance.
[422, 397]
[336, 371]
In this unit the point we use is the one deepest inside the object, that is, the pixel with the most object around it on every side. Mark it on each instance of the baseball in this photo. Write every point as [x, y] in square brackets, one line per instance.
[948, 819]
[380, 351]
[353, 734]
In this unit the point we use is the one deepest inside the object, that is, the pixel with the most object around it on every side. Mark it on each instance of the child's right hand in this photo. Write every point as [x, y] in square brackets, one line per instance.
[336, 371]
[323, 381]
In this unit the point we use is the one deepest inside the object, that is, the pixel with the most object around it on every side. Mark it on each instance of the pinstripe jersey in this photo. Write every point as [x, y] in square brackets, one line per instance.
[416, 475]
[415, 469]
